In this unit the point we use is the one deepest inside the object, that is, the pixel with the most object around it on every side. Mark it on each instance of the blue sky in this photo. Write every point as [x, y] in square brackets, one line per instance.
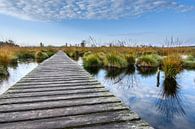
[55, 22]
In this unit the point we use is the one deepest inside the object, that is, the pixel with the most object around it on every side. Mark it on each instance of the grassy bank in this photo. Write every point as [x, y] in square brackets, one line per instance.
[108, 57]
[145, 59]
[11, 55]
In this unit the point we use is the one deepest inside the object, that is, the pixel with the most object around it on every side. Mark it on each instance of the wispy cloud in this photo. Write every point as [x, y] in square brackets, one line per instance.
[85, 9]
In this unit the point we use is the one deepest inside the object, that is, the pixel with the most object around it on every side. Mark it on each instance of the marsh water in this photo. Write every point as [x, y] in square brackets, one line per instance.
[16, 72]
[164, 103]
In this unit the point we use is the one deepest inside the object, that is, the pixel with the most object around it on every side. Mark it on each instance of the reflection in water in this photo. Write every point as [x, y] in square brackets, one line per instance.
[121, 77]
[158, 78]
[157, 100]
[114, 73]
[13, 65]
[93, 70]
[170, 102]
[147, 71]
[15, 74]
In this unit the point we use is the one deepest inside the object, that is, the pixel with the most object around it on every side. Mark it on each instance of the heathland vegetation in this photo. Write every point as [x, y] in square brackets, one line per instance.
[170, 59]
[11, 54]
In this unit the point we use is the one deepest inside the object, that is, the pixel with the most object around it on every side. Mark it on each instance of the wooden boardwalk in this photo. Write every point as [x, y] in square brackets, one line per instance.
[61, 94]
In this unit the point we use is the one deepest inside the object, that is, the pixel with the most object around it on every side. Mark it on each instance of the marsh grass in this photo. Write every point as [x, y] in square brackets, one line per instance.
[41, 56]
[3, 72]
[189, 63]
[130, 59]
[24, 55]
[115, 61]
[150, 61]
[7, 56]
[172, 65]
[92, 60]
[100, 59]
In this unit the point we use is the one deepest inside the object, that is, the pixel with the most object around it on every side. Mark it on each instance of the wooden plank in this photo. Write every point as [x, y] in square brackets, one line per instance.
[50, 93]
[59, 112]
[7, 101]
[57, 103]
[74, 121]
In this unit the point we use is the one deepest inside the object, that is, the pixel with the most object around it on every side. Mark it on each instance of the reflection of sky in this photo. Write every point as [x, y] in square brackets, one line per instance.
[141, 94]
[15, 74]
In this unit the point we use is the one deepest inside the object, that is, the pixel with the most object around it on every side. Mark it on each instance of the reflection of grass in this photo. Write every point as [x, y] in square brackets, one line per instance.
[147, 71]
[93, 70]
[170, 103]
[113, 73]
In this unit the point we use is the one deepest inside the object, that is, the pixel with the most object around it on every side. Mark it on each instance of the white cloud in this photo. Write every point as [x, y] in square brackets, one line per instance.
[85, 9]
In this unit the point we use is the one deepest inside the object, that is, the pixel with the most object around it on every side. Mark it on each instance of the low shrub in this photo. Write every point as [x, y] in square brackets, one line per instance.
[172, 65]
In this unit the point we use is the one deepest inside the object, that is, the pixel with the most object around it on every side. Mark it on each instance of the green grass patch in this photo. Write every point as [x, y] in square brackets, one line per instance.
[149, 61]
[92, 60]
[115, 61]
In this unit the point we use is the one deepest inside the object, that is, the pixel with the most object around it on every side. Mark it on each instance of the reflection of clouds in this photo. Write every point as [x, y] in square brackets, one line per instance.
[141, 94]
[16, 74]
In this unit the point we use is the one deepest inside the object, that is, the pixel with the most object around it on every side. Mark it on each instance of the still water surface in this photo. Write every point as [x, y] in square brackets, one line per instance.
[164, 103]
[15, 74]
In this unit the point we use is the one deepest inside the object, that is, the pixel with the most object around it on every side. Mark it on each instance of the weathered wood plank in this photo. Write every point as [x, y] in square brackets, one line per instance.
[7, 101]
[59, 112]
[74, 121]
[56, 103]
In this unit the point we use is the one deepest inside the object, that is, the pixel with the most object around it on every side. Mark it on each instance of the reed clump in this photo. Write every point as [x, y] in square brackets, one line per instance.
[150, 61]
[115, 61]
[92, 60]
[172, 65]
